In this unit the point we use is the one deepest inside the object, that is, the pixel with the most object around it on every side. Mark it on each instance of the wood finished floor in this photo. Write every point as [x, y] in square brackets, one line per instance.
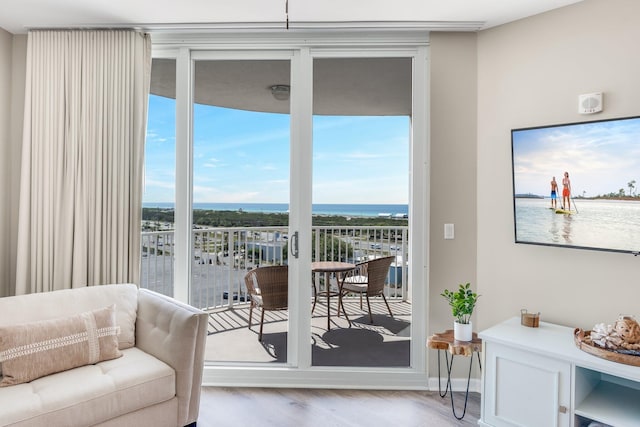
[259, 407]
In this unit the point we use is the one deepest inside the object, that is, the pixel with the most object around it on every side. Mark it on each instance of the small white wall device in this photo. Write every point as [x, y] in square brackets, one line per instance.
[449, 231]
[590, 103]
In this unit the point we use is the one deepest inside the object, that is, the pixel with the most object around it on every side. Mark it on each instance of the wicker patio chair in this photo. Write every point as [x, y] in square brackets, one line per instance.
[268, 289]
[368, 278]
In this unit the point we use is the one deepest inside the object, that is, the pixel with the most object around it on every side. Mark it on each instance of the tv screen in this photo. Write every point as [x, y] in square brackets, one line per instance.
[576, 185]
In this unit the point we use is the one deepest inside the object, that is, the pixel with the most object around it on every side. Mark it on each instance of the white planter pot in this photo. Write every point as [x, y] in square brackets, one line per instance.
[462, 331]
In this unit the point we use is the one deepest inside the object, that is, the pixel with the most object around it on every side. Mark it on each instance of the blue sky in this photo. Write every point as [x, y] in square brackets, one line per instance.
[243, 157]
[601, 157]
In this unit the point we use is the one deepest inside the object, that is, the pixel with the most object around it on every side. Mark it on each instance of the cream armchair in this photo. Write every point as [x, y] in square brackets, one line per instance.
[155, 382]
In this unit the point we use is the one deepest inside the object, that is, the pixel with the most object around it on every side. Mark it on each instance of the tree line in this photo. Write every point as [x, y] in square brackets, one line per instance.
[621, 194]
[213, 218]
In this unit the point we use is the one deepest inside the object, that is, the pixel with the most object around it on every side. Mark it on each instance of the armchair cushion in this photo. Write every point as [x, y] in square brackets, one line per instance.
[355, 283]
[93, 394]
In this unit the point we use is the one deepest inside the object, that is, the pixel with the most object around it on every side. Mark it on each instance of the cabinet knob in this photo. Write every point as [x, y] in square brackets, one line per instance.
[562, 409]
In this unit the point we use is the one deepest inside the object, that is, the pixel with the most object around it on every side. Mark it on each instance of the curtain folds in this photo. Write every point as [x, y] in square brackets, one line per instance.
[82, 160]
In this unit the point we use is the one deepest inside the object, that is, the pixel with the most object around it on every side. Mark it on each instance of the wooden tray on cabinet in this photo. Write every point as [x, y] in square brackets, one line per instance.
[584, 343]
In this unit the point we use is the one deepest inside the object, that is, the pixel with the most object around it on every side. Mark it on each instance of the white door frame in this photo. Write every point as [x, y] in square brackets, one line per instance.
[298, 372]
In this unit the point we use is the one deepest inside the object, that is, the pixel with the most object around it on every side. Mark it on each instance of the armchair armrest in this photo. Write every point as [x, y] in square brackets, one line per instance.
[176, 334]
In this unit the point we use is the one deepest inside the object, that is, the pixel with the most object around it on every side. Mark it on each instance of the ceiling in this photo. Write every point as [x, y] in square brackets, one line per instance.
[341, 86]
[20, 15]
[365, 86]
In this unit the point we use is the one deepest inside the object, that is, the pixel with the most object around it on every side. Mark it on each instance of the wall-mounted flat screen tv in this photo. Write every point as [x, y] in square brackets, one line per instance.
[576, 185]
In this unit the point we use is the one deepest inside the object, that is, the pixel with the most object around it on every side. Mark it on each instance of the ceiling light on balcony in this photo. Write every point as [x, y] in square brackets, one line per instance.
[280, 92]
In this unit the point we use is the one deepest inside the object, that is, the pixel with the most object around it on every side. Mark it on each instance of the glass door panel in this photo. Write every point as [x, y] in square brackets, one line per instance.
[241, 204]
[157, 239]
[361, 140]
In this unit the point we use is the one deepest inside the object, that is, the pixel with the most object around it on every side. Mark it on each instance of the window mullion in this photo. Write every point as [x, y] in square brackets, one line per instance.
[184, 174]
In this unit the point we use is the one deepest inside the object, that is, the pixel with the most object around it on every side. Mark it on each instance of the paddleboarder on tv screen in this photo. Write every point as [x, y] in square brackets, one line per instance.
[554, 193]
[566, 192]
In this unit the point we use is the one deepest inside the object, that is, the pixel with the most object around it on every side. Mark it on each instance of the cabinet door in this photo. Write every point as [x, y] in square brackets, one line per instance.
[525, 389]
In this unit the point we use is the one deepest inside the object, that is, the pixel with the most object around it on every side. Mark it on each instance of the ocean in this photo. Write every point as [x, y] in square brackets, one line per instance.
[317, 209]
[598, 224]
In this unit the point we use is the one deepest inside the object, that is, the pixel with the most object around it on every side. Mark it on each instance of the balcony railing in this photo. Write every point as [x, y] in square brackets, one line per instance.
[222, 256]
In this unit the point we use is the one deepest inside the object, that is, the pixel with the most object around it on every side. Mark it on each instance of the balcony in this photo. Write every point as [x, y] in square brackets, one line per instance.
[221, 258]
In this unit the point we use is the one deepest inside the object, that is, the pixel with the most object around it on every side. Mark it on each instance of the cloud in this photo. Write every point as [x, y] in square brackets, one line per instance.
[213, 163]
[601, 157]
[384, 188]
[242, 156]
[215, 195]
[362, 156]
[259, 137]
[154, 136]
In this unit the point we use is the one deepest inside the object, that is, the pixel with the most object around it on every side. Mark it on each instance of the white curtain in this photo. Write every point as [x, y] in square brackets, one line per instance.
[82, 160]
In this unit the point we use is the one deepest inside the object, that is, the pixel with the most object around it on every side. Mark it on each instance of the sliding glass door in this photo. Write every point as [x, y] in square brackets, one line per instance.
[294, 157]
[361, 135]
[240, 210]
[158, 213]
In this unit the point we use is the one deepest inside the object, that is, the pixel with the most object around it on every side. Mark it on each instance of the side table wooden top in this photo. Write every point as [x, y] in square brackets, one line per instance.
[444, 341]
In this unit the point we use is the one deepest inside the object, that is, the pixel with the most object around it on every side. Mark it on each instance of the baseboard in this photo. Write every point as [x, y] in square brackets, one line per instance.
[458, 384]
[391, 379]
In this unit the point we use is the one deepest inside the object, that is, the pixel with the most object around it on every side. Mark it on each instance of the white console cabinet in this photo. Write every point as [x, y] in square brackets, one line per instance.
[538, 377]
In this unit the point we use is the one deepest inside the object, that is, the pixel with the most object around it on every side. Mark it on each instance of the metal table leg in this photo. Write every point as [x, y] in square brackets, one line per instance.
[448, 388]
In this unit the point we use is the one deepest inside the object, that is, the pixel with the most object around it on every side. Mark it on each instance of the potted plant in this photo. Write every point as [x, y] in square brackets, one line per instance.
[462, 303]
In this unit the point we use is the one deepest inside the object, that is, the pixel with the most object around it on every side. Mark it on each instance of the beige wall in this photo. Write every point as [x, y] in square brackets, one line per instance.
[19, 67]
[12, 80]
[452, 58]
[525, 73]
[5, 165]
[530, 73]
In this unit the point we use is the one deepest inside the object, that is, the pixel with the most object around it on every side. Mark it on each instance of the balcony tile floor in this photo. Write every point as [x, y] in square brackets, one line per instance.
[385, 343]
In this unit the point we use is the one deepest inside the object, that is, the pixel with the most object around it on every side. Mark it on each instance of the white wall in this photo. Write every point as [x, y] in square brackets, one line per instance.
[530, 73]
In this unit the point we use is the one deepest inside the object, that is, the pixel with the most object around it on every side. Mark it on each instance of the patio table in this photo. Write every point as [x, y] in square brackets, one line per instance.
[339, 269]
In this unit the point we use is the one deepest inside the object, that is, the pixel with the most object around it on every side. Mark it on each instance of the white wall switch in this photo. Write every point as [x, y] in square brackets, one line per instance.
[448, 231]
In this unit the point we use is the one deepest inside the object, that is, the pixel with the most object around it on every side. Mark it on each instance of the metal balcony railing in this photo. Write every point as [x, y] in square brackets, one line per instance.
[222, 256]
